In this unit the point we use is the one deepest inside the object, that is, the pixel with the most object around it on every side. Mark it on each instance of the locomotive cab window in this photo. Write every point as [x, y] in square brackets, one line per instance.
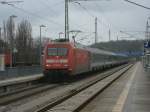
[52, 51]
[62, 51]
[57, 51]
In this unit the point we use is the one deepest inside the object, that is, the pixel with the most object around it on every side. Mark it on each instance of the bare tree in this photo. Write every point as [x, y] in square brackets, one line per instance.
[24, 42]
[10, 29]
[5, 32]
[3, 38]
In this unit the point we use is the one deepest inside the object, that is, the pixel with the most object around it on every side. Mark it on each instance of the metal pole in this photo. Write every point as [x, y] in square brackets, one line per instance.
[0, 33]
[40, 50]
[12, 38]
[147, 33]
[5, 38]
[11, 45]
[59, 35]
[1, 46]
[95, 30]
[66, 21]
[109, 35]
[148, 29]
[117, 38]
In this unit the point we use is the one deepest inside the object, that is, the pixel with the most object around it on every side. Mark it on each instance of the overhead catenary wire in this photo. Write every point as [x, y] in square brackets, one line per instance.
[93, 16]
[80, 25]
[50, 9]
[38, 16]
[58, 24]
[90, 14]
[85, 37]
[35, 15]
[138, 4]
[56, 4]
[115, 28]
[102, 12]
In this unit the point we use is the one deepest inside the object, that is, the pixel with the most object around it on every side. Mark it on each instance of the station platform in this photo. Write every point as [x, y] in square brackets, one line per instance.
[17, 80]
[130, 93]
[20, 71]
[138, 99]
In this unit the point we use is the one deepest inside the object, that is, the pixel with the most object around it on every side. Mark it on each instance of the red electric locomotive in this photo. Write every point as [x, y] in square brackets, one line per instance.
[66, 58]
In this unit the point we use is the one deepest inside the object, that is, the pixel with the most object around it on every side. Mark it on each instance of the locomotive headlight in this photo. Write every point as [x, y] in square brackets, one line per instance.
[50, 61]
[66, 65]
[48, 65]
[57, 61]
[63, 61]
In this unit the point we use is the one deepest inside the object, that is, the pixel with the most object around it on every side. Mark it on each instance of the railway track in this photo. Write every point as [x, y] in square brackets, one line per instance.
[27, 92]
[33, 89]
[51, 100]
[73, 100]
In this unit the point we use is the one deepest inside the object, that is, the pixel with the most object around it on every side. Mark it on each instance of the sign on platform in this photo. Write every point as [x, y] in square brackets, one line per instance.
[147, 44]
[2, 63]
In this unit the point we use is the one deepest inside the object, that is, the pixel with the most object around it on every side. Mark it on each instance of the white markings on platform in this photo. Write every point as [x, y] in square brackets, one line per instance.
[123, 96]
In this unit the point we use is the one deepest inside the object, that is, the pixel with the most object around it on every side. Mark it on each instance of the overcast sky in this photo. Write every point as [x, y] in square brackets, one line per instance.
[113, 14]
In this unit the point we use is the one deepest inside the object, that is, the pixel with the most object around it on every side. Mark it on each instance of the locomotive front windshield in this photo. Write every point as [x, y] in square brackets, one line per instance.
[57, 51]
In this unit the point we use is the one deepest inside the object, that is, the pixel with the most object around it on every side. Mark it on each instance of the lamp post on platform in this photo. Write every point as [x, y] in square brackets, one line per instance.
[40, 49]
[12, 38]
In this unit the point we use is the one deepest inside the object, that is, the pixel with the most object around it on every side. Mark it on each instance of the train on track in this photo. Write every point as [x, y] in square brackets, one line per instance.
[7, 58]
[67, 59]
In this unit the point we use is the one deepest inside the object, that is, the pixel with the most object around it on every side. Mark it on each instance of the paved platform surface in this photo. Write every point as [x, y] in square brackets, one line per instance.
[130, 93]
[139, 96]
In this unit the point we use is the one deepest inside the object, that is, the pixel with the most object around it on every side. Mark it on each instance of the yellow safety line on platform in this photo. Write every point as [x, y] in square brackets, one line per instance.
[123, 96]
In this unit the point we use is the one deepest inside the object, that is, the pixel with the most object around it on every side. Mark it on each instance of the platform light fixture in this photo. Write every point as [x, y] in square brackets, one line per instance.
[40, 47]
[12, 39]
